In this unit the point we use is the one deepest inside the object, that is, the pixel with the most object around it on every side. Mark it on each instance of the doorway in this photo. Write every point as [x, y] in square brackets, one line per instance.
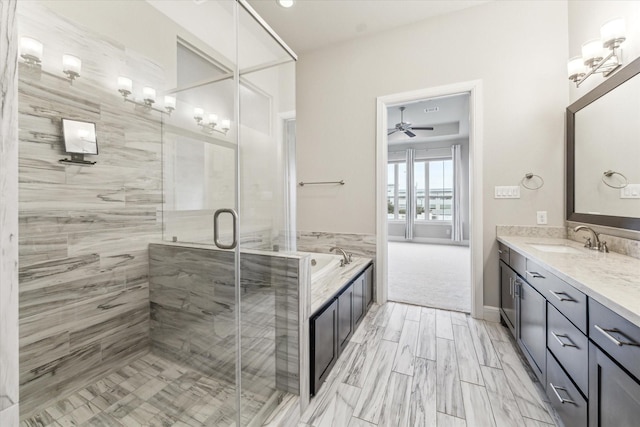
[428, 202]
[415, 220]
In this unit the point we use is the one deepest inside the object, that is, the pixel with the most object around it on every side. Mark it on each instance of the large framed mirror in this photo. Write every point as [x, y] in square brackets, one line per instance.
[603, 153]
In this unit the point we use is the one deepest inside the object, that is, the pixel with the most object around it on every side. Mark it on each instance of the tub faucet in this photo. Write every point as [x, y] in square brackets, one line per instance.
[345, 258]
[596, 245]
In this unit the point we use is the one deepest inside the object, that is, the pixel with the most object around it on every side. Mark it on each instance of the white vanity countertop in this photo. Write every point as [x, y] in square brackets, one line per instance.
[326, 286]
[609, 278]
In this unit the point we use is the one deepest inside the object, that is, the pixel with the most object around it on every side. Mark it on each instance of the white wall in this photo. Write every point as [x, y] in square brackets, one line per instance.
[518, 50]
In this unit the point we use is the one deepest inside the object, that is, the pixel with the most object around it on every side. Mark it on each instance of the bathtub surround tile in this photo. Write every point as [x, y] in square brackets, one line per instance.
[326, 286]
[363, 245]
[8, 214]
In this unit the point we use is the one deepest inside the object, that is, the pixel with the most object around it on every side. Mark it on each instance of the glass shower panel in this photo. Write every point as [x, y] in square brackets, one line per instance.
[269, 356]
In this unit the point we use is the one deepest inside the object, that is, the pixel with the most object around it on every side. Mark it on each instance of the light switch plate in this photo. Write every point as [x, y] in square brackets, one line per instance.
[541, 217]
[631, 191]
[507, 192]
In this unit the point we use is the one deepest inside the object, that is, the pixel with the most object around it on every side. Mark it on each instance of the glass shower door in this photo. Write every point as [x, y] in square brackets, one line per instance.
[266, 93]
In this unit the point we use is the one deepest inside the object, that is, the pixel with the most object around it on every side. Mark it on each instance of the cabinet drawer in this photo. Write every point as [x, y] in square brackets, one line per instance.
[518, 262]
[569, 346]
[616, 336]
[568, 300]
[564, 396]
[503, 252]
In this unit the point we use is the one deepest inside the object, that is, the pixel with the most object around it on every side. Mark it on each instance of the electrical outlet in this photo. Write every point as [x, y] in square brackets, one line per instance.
[541, 217]
[507, 192]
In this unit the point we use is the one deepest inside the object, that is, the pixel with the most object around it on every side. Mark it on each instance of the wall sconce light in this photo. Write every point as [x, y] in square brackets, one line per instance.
[595, 58]
[31, 51]
[148, 96]
[198, 114]
[169, 103]
[125, 86]
[71, 66]
[211, 124]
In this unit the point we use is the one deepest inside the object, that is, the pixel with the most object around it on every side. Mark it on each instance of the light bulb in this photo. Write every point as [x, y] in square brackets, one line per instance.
[576, 68]
[198, 113]
[31, 50]
[592, 52]
[125, 86]
[148, 95]
[612, 33]
[71, 66]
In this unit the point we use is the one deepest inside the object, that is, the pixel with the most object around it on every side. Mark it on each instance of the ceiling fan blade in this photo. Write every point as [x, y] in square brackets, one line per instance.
[390, 131]
[421, 127]
[411, 134]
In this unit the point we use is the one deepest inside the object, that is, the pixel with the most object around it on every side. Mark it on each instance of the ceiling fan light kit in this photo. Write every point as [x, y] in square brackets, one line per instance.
[406, 126]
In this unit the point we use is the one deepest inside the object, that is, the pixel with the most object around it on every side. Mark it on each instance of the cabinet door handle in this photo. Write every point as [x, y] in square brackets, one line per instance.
[555, 390]
[562, 343]
[516, 288]
[616, 341]
[535, 275]
[500, 251]
[511, 286]
[560, 296]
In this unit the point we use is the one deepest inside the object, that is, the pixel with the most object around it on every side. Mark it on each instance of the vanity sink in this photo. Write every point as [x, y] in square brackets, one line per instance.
[558, 249]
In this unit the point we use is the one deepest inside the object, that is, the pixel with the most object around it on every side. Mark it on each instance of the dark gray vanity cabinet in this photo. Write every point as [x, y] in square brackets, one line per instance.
[532, 326]
[614, 394]
[345, 317]
[508, 296]
[614, 369]
[324, 343]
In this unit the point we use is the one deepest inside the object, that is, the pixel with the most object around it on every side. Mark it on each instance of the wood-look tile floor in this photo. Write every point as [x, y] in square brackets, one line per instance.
[415, 366]
[151, 391]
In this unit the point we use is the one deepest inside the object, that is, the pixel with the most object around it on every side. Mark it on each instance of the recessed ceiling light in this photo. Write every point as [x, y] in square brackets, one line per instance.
[285, 3]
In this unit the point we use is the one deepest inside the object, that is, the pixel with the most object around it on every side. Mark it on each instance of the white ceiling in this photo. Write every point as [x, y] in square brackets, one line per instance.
[451, 121]
[312, 24]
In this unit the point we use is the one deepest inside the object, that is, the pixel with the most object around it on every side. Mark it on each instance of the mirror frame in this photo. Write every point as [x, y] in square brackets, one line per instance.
[629, 223]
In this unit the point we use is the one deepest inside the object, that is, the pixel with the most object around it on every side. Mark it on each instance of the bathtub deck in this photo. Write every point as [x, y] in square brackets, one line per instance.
[327, 285]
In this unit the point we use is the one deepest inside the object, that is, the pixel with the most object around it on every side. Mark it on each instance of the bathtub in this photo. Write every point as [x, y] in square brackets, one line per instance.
[321, 264]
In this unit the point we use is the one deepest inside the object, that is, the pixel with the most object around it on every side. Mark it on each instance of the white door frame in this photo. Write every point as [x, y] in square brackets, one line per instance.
[475, 186]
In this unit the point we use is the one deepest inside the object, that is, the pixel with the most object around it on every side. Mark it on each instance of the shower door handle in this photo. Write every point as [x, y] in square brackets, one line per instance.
[216, 234]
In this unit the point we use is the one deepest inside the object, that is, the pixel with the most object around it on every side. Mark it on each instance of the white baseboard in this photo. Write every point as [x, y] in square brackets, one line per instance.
[491, 314]
[431, 240]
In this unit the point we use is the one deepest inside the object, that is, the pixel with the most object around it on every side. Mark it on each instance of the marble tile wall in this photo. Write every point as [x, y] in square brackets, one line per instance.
[84, 230]
[628, 245]
[531, 231]
[8, 216]
[193, 310]
[318, 241]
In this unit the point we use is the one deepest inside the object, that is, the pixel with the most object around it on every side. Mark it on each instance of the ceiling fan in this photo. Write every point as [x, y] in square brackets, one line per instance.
[406, 126]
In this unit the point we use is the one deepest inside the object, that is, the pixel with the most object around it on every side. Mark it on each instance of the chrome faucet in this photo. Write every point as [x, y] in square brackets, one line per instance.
[596, 245]
[346, 259]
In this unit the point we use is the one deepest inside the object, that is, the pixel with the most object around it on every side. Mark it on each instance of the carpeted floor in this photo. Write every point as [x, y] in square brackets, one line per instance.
[430, 275]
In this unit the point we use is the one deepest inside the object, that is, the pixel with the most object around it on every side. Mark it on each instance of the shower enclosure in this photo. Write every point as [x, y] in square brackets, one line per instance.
[175, 251]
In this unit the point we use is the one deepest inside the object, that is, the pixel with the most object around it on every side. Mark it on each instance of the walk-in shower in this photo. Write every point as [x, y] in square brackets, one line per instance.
[158, 285]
